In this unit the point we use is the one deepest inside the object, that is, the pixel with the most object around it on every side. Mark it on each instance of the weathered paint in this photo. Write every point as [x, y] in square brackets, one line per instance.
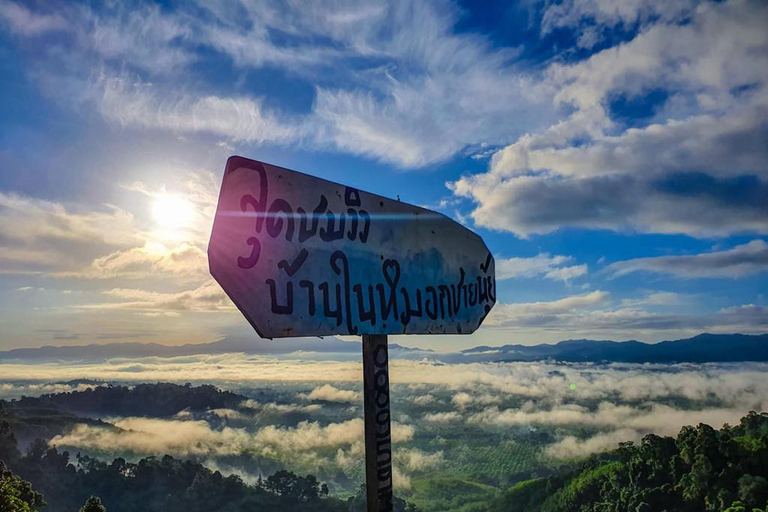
[302, 256]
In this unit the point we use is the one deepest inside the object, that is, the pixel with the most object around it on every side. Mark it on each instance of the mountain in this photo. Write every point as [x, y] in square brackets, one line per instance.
[704, 348]
[248, 345]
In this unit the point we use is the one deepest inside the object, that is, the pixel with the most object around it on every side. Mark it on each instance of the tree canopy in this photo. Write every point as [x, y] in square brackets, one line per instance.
[702, 470]
[93, 504]
[17, 495]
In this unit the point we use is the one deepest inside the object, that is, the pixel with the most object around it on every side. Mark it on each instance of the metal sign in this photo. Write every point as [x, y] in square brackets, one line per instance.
[302, 256]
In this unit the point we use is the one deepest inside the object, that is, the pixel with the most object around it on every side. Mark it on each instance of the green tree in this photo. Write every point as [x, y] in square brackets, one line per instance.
[16, 495]
[290, 486]
[93, 504]
[37, 449]
[9, 447]
[753, 490]
[702, 470]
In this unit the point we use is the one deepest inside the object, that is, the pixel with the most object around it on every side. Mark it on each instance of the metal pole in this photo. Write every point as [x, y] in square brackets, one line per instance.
[378, 439]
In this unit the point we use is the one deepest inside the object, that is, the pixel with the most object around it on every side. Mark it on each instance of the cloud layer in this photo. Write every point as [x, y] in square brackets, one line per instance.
[580, 409]
[415, 91]
[549, 267]
[597, 314]
[696, 165]
[743, 260]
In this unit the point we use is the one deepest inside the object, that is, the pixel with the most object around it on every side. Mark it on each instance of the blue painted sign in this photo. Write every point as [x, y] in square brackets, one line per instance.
[302, 256]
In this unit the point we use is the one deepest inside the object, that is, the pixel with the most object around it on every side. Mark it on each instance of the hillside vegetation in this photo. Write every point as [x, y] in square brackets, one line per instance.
[463, 470]
[703, 469]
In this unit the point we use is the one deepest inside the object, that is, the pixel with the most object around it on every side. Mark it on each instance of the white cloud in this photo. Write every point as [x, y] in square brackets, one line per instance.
[703, 143]
[621, 402]
[196, 437]
[426, 399]
[414, 459]
[152, 436]
[332, 394]
[400, 479]
[39, 236]
[566, 273]
[182, 260]
[17, 390]
[74, 241]
[743, 260]
[393, 81]
[275, 408]
[594, 314]
[590, 16]
[26, 220]
[229, 414]
[424, 122]
[525, 313]
[311, 435]
[686, 57]
[208, 297]
[141, 36]
[573, 447]
[464, 400]
[697, 168]
[442, 417]
[142, 105]
[658, 299]
[736, 385]
[409, 89]
[540, 204]
[23, 21]
[656, 418]
[551, 267]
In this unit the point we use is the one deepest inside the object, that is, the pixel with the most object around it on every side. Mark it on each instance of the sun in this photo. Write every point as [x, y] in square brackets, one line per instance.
[172, 212]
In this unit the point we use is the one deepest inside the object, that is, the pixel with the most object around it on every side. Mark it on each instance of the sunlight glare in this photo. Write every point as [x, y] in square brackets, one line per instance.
[172, 212]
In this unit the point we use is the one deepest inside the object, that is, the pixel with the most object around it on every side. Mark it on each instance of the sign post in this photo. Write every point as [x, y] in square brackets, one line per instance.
[378, 436]
[302, 256]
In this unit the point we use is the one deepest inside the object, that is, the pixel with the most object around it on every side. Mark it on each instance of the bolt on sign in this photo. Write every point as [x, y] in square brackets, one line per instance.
[302, 256]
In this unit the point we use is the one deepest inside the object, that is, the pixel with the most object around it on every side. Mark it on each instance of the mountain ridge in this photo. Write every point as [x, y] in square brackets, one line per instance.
[703, 348]
[253, 346]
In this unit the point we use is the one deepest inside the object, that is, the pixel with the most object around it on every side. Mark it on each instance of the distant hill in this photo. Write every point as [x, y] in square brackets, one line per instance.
[155, 400]
[704, 348]
[248, 345]
[157, 482]
[54, 413]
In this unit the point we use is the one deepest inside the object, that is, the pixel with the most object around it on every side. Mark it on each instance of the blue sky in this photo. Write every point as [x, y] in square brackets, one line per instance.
[613, 156]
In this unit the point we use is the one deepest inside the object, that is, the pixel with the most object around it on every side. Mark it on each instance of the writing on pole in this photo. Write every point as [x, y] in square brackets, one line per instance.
[303, 256]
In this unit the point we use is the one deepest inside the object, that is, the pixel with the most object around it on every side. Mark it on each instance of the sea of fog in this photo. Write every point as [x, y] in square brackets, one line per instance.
[502, 421]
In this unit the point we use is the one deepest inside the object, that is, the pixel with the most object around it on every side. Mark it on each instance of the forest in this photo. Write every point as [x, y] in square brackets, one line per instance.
[701, 469]
[61, 483]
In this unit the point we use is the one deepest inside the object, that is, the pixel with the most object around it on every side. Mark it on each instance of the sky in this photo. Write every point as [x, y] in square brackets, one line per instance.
[613, 156]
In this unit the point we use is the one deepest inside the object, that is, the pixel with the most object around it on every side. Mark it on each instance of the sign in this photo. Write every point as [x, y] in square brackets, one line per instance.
[302, 256]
